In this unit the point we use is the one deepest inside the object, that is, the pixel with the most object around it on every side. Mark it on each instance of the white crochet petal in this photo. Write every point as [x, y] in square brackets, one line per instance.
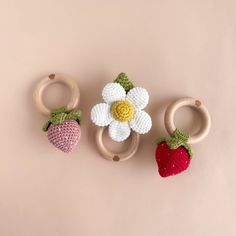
[101, 115]
[119, 131]
[139, 97]
[113, 92]
[141, 122]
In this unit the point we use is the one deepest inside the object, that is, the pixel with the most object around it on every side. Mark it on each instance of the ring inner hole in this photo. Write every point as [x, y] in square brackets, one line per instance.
[56, 95]
[113, 146]
[188, 120]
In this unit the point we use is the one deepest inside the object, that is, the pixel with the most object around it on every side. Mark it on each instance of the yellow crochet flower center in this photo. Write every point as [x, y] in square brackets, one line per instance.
[122, 111]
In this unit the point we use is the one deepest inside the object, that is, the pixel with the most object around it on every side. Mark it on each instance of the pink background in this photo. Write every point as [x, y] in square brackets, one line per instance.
[173, 49]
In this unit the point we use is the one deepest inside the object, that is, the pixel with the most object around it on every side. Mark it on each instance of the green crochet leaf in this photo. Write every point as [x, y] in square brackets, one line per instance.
[58, 111]
[124, 81]
[188, 148]
[58, 116]
[161, 139]
[75, 115]
[176, 140]
[180, 135]
[46, 125]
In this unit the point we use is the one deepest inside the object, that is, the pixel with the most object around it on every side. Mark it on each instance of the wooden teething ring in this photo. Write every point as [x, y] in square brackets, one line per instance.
[56, 78]
[109, 155]
[199, 106]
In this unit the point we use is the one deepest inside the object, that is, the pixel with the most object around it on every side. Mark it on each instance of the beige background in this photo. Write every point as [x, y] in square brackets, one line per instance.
[174, 49]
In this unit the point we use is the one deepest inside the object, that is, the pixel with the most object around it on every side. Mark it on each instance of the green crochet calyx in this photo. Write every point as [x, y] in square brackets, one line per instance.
[124, 81]
[176, 140]
[58, 116]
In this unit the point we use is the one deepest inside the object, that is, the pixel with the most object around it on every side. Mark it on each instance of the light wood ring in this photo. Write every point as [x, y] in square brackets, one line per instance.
[199, 106]
[56, 78]
[109, 155]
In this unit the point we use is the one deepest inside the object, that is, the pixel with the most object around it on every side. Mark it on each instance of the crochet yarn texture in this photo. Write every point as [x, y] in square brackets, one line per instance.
[63, 129]
[124, 81]
[173, 154]
[122, 109]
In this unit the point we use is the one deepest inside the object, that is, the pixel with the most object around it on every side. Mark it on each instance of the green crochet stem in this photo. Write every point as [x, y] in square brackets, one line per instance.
[124, 81]
[58, 116]
[176, 140]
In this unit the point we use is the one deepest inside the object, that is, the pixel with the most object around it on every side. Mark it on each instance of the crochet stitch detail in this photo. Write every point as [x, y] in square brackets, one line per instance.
[124, 81]
[58, 116]
[171, 161]
[122, 111]
[64, 136]
[176, 140]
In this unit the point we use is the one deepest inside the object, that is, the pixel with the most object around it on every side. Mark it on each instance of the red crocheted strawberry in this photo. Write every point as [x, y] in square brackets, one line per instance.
[64, 129]
[173, 154]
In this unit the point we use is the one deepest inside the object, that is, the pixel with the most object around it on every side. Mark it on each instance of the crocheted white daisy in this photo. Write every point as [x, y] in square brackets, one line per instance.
[122, 112]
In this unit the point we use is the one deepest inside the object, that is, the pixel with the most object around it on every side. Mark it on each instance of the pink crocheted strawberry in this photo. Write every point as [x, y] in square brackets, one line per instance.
[63, 129]
[173, 154]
